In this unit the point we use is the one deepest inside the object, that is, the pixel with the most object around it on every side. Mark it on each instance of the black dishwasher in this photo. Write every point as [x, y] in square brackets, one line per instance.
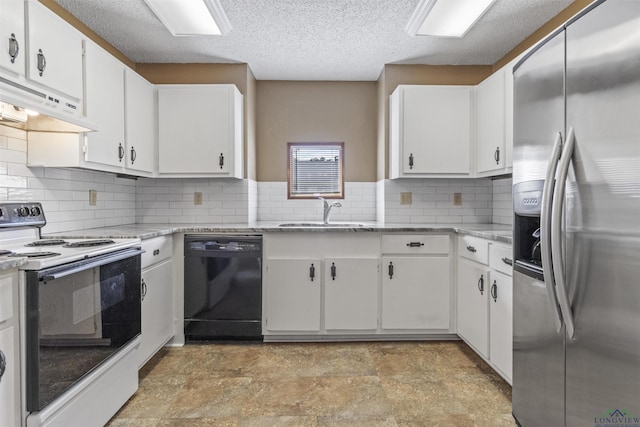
[222, 287]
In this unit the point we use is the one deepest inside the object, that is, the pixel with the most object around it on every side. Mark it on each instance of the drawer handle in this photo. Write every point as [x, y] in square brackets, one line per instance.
[415, 244]
[156, 252]
[481, 284]
[494, 291]
[471, 249]
[507, 261]
[333, 271]
[312, 272]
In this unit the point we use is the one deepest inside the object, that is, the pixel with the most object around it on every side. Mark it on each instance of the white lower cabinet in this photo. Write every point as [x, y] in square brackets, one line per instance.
[415, 293]
[293, 294]
[157, 297]
[350, 294]
[485, 301]
[9, 350]
[473, 307]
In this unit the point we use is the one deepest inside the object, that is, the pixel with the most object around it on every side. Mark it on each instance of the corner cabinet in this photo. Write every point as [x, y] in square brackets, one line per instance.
[430, 131]
[200, 131]
[416, 283]
[484, 302]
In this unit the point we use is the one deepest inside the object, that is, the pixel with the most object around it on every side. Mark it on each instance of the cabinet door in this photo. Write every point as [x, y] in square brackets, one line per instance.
[199, 130]
[350, 293]
[501, 322]
[415, 293]
[13, 47]
[435, 129]
[105, 107]
[55, 47]
[473, 318]
[490, 123]
[292, 288]
[9, 389]
[157, 309]
[140, 123]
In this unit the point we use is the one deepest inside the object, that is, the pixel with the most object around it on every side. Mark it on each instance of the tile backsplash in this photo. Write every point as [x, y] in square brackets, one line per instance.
[64, 193]
[65, 197]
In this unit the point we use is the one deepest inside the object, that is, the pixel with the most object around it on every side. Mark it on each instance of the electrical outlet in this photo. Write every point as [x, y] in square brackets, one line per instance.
[93, 197]
[197, 198]
[406, 198]
[457, 199]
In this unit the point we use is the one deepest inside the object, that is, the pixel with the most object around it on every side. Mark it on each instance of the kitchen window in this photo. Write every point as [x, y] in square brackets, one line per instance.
[315, 170]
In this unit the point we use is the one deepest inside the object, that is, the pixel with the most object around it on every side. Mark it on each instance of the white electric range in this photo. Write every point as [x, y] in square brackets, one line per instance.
[80, 320]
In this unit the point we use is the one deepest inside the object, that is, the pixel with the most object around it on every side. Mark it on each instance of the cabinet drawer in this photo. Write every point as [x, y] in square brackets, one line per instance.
[501, 258]
[415, 244]
[156, 250]
[474, 248]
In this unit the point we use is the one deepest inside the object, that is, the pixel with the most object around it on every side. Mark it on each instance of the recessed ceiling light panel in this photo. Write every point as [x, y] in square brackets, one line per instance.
[446, 18]
[191, 17]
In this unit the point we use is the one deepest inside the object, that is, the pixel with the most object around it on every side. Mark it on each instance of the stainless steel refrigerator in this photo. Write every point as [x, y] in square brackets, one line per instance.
[576, 189]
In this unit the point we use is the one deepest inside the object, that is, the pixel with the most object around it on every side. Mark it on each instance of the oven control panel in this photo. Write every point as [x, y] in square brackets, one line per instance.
[17, 214]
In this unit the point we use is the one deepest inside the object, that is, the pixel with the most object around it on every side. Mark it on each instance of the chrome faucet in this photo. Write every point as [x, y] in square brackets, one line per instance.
[327, 209]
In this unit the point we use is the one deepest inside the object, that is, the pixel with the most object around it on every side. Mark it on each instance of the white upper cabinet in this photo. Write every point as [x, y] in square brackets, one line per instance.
[55, 51]
[140, 124]
[200, 131]
[13, 47]
[430, 131]
[490, 124]
[105, 107]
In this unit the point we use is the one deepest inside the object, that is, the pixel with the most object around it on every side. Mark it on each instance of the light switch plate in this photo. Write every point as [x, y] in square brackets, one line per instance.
[197, 198]
[457, 199]
[406, 198]
[93, 197]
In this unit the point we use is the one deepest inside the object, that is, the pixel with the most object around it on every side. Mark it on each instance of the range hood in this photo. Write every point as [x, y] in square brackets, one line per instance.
[56, 113]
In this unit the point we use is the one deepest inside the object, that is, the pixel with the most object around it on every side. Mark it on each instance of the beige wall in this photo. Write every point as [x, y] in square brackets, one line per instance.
[318, 111]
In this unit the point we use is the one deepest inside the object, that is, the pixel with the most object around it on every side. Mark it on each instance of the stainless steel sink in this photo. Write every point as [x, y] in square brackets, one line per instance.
[320, 224]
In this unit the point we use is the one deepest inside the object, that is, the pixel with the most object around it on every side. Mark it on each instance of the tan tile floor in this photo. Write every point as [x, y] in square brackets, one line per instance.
[318, 384]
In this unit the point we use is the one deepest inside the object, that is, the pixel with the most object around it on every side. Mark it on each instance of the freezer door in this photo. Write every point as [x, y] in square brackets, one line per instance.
[603, 212]
[538, 349]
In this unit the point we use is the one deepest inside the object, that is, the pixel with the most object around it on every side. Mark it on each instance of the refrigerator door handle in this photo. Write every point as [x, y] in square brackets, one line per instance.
[556, 232]
[545, 231]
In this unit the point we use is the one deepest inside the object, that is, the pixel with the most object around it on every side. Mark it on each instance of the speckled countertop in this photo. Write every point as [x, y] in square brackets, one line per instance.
[497, 232]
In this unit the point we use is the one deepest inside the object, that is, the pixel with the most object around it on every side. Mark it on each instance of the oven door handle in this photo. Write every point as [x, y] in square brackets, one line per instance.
[77, 267]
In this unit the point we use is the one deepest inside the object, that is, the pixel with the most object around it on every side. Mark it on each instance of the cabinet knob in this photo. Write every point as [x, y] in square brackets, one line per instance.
[14, 47]
[42, 62]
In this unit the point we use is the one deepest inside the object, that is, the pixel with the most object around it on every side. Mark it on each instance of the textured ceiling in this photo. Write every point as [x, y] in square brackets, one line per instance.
[314, 39]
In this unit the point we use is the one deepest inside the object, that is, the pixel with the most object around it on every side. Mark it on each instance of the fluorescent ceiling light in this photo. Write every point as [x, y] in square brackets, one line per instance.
[446, 18]
[191, 17]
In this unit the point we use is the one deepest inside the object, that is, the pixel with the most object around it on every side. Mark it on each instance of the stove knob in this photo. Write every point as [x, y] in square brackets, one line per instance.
[35, 211]
[23, 211]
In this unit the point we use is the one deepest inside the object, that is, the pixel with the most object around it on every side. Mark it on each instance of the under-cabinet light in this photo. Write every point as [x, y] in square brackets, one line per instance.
[446, 18]
[191, 17]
